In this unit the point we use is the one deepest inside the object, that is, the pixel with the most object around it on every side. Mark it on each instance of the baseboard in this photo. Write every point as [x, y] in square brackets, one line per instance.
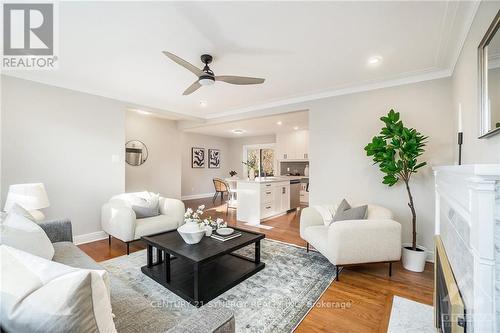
[430, 256]
[197, 196]
[91, 237]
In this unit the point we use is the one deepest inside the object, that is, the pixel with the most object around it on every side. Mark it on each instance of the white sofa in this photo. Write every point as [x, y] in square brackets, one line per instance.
[118, 219]
[352, 242]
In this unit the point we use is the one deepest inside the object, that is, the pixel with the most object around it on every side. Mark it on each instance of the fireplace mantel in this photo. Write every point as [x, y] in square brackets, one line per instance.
[467, 215]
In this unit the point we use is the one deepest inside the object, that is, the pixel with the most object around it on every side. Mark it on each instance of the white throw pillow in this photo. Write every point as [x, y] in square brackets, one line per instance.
[40, 295]
[327, 212]
[23, 234]
[20, 210]
[146, 204]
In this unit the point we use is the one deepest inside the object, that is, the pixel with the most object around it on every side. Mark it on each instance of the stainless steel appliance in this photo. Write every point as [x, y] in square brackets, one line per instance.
[294, 193]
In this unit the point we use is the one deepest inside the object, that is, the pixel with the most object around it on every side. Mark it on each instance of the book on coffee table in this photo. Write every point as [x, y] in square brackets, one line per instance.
[235, 234]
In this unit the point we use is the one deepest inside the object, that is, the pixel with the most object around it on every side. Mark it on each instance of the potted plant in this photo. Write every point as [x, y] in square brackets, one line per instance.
[396, 151]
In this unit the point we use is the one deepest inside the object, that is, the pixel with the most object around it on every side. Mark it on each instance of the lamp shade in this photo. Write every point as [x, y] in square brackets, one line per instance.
[29, 196]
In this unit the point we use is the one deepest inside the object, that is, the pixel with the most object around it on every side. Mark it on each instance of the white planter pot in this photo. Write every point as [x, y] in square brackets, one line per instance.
[191, 232]
[414, 260]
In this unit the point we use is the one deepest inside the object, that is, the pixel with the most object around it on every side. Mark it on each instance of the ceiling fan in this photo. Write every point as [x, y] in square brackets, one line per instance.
[206, 76]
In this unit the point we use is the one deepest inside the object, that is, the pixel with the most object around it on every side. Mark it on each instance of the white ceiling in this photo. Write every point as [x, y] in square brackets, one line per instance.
[113, 49]
[256, 126]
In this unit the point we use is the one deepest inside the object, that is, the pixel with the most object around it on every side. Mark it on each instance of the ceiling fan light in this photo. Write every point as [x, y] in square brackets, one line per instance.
[206, 81]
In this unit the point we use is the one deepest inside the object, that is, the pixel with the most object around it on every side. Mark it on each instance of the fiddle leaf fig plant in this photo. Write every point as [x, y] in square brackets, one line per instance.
[396, 150]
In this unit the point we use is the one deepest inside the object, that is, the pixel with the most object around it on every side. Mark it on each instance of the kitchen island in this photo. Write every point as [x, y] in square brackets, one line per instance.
[263, 198]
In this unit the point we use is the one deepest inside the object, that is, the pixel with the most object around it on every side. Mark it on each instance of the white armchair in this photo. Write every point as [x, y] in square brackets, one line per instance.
[119, 220]
[353, 242]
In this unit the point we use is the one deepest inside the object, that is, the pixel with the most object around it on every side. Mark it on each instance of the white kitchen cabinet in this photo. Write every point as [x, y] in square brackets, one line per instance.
[259, 200]
[293, 146]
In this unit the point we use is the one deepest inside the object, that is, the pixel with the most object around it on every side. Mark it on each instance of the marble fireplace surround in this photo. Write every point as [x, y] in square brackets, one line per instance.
[467, 215]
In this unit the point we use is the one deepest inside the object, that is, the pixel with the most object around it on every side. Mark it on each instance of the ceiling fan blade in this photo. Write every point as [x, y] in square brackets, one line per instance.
[192, 88]
[239, 79]
[195, 70]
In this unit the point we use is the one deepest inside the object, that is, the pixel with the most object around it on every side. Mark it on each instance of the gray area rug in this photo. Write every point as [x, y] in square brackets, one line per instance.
[408, 316]
[273, 300]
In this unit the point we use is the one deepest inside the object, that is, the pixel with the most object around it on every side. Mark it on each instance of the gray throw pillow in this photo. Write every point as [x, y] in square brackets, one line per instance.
[346, 212]
[142, 211]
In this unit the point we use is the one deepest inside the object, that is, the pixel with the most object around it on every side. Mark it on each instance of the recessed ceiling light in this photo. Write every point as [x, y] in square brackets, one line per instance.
[203, 103]
[238, 131]
[279, 123]
[296, 127]
[146, 113]
[375, 60]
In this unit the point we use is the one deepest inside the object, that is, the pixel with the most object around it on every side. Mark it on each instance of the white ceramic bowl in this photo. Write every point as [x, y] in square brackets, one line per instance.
[225, 231]
[191, 232]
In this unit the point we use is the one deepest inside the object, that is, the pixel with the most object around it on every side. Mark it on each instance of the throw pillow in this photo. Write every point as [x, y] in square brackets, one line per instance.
[20, 210]
[40, 295]
[346, 212]
[21, 233]
[146, 205]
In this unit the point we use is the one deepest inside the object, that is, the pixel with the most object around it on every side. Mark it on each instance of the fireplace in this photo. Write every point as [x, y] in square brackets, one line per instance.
[450, 314]
[467, 229]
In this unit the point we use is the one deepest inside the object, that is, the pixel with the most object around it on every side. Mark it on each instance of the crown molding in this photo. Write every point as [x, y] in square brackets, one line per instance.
[424, 75]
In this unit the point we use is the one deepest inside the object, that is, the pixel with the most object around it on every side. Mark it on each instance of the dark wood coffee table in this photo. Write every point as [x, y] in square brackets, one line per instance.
[200, 272]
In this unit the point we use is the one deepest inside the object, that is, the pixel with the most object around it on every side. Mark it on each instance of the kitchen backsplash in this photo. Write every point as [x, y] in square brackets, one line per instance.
[293, 167]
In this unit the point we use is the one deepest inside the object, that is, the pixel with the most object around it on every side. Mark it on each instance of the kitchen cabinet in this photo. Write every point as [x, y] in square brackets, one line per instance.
[293, 146]
[259, 200]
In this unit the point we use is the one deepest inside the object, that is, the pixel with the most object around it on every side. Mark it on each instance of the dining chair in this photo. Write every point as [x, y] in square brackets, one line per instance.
[220, 187]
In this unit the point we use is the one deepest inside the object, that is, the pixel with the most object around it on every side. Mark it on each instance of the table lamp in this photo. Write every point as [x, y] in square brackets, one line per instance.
[31, 197]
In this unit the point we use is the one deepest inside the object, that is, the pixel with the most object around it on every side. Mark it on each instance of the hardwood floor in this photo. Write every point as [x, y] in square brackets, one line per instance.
[360, 302]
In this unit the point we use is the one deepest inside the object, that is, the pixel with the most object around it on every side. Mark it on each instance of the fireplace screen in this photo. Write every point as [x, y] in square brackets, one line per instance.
[450, 316]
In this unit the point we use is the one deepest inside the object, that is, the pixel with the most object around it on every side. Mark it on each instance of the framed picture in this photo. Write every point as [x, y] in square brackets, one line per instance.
[197, 157]
[214, 158]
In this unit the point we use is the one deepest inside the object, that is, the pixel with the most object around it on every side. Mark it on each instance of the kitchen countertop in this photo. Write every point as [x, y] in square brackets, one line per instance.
[270, 179]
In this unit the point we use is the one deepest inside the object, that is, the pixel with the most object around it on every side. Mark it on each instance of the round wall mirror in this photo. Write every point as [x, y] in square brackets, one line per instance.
[136, 152]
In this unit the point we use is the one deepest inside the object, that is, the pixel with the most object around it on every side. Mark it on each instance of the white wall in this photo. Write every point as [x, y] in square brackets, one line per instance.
[465, 91]
[340, 128]
[235, 155]
[64, 139]
[162, 171]
[198, 182]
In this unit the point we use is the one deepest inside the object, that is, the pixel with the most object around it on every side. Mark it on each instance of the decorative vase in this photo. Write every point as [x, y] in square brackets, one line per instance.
[414, 260]
[208, 230]
[191, 232]
[251, 174]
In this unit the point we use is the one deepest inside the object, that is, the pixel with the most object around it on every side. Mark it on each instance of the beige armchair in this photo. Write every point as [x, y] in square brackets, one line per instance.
[119, 220]
[354, 242]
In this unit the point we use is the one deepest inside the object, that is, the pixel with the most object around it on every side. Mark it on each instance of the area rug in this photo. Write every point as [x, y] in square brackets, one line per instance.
[408, 316]
[273, 300]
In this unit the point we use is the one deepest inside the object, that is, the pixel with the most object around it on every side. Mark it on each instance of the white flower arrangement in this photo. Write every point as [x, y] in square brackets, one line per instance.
[194, 215]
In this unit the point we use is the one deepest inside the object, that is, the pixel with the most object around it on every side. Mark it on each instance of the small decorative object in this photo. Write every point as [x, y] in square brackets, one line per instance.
[225, 231]
[220, 223]
[232, 173]
[251, 169]
[396, 150]
[193, 230]
[460, 134]
[197, 158]
[306, 171]
[31, 197]
[214, 158]
[208, 230]
[136, 152]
